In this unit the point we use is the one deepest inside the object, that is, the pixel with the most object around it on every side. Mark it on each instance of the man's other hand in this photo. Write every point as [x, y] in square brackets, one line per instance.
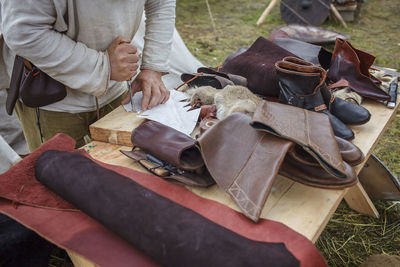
[153, 88]
[123, 59]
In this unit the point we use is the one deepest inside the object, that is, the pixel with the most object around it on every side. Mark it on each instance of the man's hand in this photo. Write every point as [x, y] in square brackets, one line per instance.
[123, 59]
[153, 88]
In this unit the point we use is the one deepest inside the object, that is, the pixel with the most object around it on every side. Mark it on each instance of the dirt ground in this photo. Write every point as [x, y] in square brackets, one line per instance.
[349, 237]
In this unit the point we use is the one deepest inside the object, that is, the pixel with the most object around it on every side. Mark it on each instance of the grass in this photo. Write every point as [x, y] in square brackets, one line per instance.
[349, 237]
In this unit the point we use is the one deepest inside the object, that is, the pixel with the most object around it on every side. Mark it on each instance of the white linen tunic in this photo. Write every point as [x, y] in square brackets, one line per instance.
[68, 40]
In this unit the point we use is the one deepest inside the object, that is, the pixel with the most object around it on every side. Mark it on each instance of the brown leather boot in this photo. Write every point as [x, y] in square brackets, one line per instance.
[316, 159]
[300, 86]
[346, 112]
[310, 130]
[352, 65]
[310, 173]
[244, 162]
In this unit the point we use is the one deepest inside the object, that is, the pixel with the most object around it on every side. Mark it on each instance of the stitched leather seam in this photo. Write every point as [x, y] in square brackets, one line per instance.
[244, 165]
[243, 203]
[307, 128]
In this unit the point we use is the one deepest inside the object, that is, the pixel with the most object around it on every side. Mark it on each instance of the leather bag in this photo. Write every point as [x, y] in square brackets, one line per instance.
[36, 88]
[164, 148]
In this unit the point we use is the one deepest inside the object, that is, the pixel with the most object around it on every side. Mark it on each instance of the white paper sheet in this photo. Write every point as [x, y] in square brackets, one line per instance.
[173, 113]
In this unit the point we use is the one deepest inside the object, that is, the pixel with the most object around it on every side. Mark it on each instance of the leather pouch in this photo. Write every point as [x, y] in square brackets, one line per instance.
[35, 87]
[169, 153]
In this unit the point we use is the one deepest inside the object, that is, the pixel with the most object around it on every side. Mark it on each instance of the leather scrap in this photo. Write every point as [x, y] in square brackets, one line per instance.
[172, 235]
[19, 184]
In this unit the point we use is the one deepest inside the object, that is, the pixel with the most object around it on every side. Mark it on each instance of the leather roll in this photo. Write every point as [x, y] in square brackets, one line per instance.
[350, 153]
[168, 144]
[173, 148]
[169, 233]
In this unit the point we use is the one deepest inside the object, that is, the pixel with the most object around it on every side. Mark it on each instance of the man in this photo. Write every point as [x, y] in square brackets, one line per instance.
[86, 46]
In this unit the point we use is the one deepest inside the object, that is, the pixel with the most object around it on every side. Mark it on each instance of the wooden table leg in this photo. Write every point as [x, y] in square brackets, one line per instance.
[358, 200]
[79, 261]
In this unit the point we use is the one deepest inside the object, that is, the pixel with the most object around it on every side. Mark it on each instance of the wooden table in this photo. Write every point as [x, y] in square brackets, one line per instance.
[305, 209]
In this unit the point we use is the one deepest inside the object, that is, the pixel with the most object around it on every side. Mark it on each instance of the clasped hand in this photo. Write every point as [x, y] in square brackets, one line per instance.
[124, 65]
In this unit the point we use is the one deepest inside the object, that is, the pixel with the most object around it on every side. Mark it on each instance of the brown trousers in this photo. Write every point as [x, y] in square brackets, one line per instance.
[75, 125]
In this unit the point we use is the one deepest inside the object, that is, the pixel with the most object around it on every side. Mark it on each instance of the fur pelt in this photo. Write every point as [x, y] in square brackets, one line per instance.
[232, 98]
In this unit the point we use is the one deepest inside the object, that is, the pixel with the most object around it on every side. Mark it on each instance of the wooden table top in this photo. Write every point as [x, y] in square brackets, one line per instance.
[305, 209]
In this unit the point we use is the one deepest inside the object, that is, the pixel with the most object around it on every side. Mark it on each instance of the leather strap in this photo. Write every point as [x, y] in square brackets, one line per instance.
[13, 91]
[201, 177]
[28, 65]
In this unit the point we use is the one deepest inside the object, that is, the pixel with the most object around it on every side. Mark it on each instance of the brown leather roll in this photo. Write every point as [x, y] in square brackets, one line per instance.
[168, 144]
[350, 153]
[169, 154]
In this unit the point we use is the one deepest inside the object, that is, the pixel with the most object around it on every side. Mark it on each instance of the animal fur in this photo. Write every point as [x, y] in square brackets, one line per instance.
[233, 98]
